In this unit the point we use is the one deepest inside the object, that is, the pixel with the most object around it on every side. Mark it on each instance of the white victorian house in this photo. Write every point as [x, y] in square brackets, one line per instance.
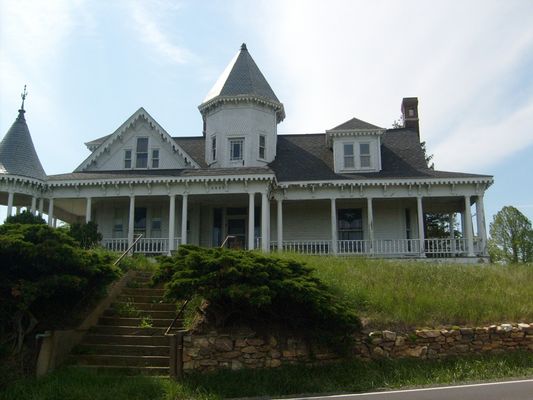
[354, 189]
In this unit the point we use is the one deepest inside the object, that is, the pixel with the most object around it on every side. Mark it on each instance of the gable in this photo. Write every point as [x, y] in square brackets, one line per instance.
[110, 154]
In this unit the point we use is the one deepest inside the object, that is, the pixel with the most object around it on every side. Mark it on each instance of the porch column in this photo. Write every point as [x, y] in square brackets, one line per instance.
[481, 227]
[184, 206]
[10, 198]
[265, 222]
[131, 221]
[334, 244]
[88, 209]
[41, 206]
[370, 217]
[51, 212]
[468, 228]
[279, 215]
[452, 233]
[172, 223]
[420, 216]
[251, 221]
[33, 208]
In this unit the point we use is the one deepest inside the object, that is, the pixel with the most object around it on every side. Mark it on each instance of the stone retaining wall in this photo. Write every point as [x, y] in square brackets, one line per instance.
[245, 349]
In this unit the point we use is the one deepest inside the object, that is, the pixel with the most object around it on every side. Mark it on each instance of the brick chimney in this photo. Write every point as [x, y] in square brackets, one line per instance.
[410, 113]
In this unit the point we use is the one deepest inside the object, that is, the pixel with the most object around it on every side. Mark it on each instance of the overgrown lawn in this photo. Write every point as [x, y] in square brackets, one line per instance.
[417, 294]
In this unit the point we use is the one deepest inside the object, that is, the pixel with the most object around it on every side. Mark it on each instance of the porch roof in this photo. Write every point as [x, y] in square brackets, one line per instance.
[161, 173]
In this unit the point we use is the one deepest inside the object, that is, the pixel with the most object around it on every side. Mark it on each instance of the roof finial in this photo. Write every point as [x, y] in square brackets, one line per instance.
[243, 47]
[23, 95]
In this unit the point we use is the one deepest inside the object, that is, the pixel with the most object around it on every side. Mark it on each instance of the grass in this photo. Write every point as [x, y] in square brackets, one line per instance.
[354, 376]
[417, 294]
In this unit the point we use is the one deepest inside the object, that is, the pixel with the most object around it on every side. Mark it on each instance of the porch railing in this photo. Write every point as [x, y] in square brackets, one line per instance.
[144, 245]
[435, 248]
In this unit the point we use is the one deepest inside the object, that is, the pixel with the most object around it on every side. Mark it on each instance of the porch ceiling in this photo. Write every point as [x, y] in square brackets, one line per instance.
[443, 204]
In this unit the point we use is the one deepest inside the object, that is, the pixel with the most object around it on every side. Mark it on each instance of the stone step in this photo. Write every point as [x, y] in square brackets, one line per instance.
[136, 322]
[127, 330]
[122, 349]
[126, 370]
[133, 340]
[129, 291]
[111, 312]
[134, 298]
[122, 360]
[144, 306]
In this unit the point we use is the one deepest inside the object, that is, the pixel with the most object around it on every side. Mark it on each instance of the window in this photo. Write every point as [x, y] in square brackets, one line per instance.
[236, 147]
[155, 223]
[127, 158]
[214, 148]
[262, 146]
[349, 161]
[155, 158]
[364, 154]
[118, 224]
[411, 112]
[141, 160]
[350, 224]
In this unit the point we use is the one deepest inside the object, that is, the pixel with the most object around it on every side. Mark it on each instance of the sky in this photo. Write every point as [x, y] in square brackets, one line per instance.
[90, 64]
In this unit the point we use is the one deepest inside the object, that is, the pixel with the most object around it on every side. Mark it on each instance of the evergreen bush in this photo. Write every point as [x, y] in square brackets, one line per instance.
[86, 234]
[261, 290]
[44, 276]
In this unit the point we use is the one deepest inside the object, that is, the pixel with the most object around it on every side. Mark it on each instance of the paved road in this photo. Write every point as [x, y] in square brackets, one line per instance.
[512, 390]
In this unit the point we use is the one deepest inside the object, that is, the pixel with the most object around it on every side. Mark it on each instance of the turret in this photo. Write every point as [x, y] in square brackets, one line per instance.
[241, 114]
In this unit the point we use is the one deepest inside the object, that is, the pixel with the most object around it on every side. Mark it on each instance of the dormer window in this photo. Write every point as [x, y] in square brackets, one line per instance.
[127, 159]
[236, 149]
[155, 158]
[141, 159]
[364, 154]
[262, 147]
[349, 159]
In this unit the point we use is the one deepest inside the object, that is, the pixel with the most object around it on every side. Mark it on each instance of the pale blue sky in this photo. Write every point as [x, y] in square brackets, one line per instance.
[90, 64]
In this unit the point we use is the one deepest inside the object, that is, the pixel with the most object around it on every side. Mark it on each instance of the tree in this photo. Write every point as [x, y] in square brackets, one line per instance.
[511, 236]
[399, 123]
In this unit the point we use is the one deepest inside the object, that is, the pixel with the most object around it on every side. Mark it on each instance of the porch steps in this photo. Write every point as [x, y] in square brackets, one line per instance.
[130, 335]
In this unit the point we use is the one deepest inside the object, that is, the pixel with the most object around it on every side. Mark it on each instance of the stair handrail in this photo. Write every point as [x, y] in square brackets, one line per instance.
[128, 250]
[226, 239]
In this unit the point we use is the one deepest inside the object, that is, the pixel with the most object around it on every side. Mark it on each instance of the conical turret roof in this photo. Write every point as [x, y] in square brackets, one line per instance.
[17, 153]
[242, 78]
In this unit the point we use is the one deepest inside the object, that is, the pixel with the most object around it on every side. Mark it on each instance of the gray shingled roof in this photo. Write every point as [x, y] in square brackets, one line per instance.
[355, 124]
[17, 153]
[306, 157]
[243, 77]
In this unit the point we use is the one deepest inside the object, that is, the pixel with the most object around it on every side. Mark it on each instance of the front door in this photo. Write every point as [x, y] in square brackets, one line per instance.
[237, 231]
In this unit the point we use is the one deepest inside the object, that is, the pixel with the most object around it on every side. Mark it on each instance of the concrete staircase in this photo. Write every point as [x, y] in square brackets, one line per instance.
[130, 335]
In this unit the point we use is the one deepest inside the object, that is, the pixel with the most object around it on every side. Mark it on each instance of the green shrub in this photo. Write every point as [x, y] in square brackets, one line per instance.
[261, 290]
[44, 276]
[25, 217]
[86, 234]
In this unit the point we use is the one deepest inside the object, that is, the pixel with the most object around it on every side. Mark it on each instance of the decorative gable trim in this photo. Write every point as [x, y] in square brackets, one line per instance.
[140, 113]
[340, 133]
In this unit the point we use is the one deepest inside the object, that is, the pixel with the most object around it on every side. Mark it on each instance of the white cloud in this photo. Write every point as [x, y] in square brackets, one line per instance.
[337, 59]
[149, 18]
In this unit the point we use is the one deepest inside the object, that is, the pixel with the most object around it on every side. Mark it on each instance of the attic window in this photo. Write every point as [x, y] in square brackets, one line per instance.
[127, 159]
[155, 158]
[141, 160]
